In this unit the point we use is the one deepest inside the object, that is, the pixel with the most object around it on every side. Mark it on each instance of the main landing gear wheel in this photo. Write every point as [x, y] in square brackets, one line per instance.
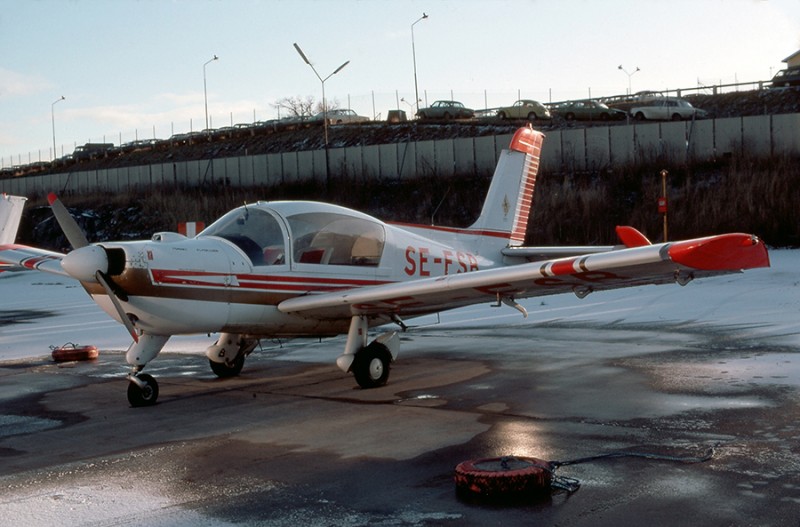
[371, 366]
[225, 370]
[144, 395]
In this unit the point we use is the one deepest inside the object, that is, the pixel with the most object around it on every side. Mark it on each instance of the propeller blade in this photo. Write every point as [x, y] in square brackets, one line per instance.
[67, 223]
[104, 281]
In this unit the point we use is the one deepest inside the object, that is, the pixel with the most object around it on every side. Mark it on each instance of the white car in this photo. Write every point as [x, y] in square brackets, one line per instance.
[667, 109]
[341, 115]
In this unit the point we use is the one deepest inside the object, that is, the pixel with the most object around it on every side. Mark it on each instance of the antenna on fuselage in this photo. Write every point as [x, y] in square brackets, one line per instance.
[241, 220]
[439, 205]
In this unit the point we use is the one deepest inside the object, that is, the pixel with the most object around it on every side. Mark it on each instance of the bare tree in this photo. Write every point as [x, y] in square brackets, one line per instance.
[303, 106]
[296, 106]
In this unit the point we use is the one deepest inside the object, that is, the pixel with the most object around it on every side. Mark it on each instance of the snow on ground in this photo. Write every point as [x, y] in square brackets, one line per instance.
[38, 311]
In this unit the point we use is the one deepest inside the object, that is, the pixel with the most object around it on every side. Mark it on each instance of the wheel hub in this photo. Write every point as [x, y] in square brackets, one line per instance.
[376, 368]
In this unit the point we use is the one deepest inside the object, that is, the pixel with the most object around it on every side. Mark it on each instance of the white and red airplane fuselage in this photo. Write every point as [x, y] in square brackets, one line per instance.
[231, 279]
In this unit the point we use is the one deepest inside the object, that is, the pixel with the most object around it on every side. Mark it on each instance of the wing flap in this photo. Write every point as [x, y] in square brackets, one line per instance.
[650, 264]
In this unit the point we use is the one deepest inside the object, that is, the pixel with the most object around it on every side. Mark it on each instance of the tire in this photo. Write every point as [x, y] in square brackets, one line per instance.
[605, 117]
[503, 478]
[639, 116]
[447, 116]
[371, 366]
[569, 116]
[501, 115]
[223, 370]
[677, 117]
[421, 116]
[143, 396]
[532, 116]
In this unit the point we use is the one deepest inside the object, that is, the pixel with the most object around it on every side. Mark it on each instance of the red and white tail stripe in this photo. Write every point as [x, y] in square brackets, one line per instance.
[529, 142]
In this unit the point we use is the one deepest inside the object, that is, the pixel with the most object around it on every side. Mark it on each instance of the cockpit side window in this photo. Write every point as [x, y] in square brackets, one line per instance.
[256, 232]
[336, 239]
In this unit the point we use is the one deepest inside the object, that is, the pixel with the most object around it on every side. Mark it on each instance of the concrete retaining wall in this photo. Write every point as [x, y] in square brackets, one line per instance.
[578, 149]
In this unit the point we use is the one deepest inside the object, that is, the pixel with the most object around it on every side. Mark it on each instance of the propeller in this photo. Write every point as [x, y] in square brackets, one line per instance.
[88, 263]
[67, 223]
[106, 283]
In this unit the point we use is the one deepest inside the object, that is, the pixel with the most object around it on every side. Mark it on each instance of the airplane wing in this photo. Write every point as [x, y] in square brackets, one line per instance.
[32, 258]
[647, 264]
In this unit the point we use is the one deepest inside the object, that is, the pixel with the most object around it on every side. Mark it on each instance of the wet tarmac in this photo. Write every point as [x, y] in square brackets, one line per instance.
[293, 441]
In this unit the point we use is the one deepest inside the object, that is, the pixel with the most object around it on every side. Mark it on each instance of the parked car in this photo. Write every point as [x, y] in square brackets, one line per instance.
[588, 110]
[524, 109]
[91, 151]
[787, 77]
[667, 109]
[340, 116]
[446, 110]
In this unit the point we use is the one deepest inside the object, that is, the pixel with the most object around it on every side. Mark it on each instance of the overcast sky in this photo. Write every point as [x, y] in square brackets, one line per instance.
[134, 69]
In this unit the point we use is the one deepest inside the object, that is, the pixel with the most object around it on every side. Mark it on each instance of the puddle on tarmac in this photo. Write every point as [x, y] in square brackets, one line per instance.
[11, 425]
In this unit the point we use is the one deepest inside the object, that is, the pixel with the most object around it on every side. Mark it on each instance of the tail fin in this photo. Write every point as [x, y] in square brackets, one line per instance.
[510, 198]
[10, 214]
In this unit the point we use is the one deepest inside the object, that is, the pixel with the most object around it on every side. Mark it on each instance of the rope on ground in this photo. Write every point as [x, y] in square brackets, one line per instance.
[571, 484]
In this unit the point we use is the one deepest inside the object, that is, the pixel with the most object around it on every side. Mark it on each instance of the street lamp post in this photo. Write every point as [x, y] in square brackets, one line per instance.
[324, 102]
[205, 91]
[414, 57]
[53, 120]
[324, 111]
[629, 76]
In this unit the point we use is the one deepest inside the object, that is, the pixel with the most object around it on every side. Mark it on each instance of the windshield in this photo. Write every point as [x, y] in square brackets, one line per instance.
[256, 232]
[335, 239]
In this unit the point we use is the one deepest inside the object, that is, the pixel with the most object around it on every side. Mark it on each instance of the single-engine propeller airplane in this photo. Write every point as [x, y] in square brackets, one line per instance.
[298, 268]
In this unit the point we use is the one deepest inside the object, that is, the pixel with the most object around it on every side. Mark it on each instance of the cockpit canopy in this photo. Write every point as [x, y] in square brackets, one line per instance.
[316, 234]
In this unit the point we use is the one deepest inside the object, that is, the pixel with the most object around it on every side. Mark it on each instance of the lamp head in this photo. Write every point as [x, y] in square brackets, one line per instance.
[303, 55]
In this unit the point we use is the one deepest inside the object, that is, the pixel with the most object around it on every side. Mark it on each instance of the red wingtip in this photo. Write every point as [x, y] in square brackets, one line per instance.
[52, 198]
[727, 252]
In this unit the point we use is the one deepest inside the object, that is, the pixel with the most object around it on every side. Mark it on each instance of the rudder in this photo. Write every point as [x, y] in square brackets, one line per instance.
[510, 198]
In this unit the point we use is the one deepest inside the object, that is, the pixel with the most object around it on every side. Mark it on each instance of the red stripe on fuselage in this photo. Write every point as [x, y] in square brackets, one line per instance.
[260, 282]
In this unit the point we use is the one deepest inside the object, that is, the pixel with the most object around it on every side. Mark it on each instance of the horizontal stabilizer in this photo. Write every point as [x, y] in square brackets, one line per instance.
[536, 253]
[630, 237]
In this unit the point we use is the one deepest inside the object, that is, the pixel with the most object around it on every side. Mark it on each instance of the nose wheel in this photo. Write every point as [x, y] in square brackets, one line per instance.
[142, 390]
